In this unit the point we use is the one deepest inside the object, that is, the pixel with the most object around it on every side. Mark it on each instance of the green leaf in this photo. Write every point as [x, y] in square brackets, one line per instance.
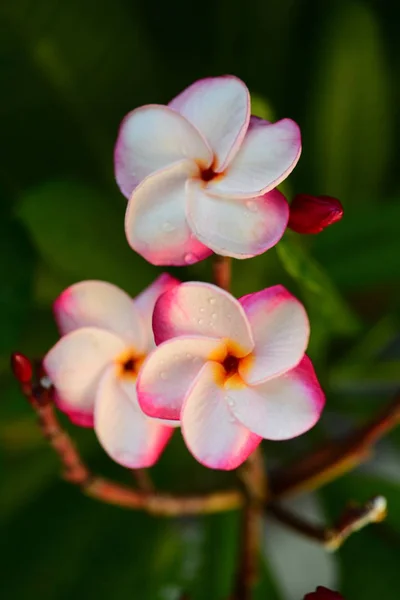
[79, 232]
[219, 553]
[352, 107]
[320, 294]
[363, 249]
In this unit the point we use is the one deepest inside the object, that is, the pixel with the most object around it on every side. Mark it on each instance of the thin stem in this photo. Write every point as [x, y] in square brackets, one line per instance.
[143, 480]
[254, 478]
[354, 518]
[335, 458]
[222, 271]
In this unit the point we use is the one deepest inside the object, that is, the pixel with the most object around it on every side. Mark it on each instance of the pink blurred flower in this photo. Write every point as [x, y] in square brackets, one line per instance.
[322, 593]
[311, 214]
[94, 366]
[233, 371]
[200, 175]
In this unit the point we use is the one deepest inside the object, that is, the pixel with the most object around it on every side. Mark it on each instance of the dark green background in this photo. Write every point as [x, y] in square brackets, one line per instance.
[69, 71]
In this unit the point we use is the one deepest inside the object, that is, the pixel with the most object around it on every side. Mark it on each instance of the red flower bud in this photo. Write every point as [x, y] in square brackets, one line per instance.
[311, 214]
[21, 367]
[322, 593]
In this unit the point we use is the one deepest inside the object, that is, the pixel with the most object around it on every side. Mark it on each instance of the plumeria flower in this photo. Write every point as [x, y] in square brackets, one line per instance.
[233, 371]
[94, 366]
[200, 175]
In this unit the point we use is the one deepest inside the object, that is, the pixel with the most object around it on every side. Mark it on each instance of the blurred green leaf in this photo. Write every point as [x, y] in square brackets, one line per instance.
[79, 232]
[74, 59]
[16, 275]
[369, 558]
[352, 108]
[363, 249]
[321, 296]
[219, 553]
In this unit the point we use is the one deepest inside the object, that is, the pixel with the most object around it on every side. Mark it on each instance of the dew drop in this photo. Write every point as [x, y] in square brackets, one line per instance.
[212, 300]
[231, 402]
[214, 315]
[200, 321]
[163, 375]
[188, 355]
[168, 227]
[201, 309]
[190, 258]
[252, 206]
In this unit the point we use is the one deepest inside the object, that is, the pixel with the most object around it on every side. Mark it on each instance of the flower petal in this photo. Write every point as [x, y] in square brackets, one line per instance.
[280, 329]
[126, 434]
[220, 109]
[100, 304]
[75, 365]
[80, 418]
[155, 220]
[146, 300]
[281, 408]
[169, 371]
[151, 138]
[212, 434]
[195, 308]
[266, 157]
[238, 228]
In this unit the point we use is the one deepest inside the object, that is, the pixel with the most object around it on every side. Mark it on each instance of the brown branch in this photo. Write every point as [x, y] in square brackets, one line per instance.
[75, 471]
[222, 271]
[335, 458]
[254, 478]
[354, 518]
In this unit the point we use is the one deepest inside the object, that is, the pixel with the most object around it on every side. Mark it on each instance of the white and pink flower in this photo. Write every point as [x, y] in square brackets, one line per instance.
[94, 366]
[200, 175]
[233, 371]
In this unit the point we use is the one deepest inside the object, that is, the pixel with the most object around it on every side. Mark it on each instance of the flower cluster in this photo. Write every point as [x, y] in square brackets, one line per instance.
[201, 176]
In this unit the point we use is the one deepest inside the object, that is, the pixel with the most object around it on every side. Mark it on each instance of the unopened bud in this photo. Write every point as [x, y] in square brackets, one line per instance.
[21, 367]
[322, 593]
[311, 214]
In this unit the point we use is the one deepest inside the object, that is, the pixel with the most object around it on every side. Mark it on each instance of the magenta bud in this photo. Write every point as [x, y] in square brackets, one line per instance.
[322, 593]
[311, 214]
[21, 367]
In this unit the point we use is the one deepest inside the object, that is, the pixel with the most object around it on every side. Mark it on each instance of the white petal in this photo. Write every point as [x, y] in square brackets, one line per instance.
[126, 434]
[195, 308]
[281, 408]
[146, 300]
[280, 329]
[220, 108]
[151, 138]
[168, 372]
[211, 432]
[155, 220]
[266, 157]
[103, 305]
[238, 228]
[76, 363]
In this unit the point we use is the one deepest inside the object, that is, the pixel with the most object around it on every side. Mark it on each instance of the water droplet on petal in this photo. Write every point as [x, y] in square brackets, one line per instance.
[163, 375]
[190, 258]
[200, 321]
[231, 402]
[212, 300]
[214, 315]
[168, 227]
[188, 355]
[201, 309]
[252, 206]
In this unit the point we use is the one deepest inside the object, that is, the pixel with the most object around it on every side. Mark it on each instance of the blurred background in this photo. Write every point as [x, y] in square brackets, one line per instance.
[69, 71]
